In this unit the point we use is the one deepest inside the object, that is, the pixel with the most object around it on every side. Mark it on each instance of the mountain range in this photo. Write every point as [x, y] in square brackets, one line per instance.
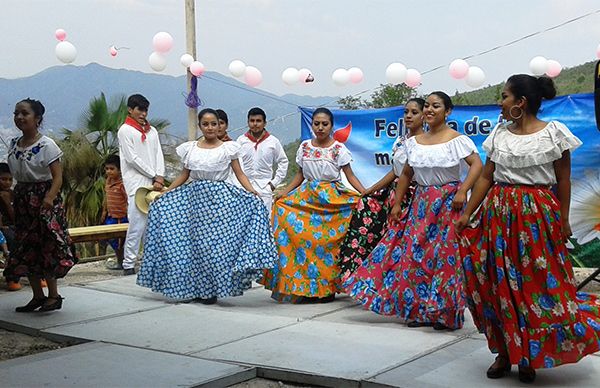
[67, 90]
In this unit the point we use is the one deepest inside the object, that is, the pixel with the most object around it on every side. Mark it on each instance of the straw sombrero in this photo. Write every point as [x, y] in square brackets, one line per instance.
[144, 196]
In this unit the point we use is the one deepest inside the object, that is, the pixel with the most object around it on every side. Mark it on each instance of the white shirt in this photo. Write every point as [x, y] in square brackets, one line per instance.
[31, 164]
[140, 161]
[528, 159]
[257, 162]
[212, 164]
[399, 155]
[322, 164]
[438, 164]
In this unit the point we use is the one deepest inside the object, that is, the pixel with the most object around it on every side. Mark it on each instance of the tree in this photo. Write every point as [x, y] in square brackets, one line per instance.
[383, 97]
[352, 103]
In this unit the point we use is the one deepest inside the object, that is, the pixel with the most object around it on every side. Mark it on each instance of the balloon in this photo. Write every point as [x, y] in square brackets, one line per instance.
[413, 78]
[598, 51]
[60, 34]
[395, 73]
[340, 77]
[186, 60]
[554, 68]
[65, 52]
[356, 75]
[237, 68]
[290, 76]
[303, 74]
[538, 65]
[252, 76]
[475, 77]
[113, 51]
[458, 68]
[197, 68]
[162, 42]
[157, 61]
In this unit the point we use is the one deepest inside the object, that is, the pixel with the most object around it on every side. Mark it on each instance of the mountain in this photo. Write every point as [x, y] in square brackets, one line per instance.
[66, 91]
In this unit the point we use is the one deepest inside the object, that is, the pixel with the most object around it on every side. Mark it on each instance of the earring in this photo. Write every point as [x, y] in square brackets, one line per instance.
[515, 117]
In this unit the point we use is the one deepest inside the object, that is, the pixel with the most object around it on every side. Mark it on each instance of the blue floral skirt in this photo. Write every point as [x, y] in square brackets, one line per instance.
[206, 239]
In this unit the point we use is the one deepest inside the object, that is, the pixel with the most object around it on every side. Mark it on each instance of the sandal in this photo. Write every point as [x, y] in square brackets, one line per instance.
[499, 371]
[33, 305]
[526, 374]
[56, 305]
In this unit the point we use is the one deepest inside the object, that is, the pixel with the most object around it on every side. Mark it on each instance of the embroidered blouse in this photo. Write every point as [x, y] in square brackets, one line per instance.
[31, 164]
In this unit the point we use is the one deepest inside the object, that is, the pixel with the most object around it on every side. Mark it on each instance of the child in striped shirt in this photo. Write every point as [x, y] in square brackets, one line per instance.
[115, 203]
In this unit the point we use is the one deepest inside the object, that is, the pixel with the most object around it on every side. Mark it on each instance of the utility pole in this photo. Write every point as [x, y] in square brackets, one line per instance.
[190, 37]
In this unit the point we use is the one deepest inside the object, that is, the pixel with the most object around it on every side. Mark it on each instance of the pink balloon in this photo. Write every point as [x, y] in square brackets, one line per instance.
[413, 78]
[197, 68]
[252, 76]
[162, 42]
[458, 69]
[356, 75]
[303, 75]
[113, 51]
[554, 68]
[60, 34]
[598, 51]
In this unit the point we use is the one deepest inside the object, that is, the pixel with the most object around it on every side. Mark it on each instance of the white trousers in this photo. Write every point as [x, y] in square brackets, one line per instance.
[267, 197]
[135, 233]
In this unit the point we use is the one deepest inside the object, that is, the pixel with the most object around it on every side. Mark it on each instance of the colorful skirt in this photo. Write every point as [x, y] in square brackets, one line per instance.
[206, 239]
[519, 281]
[310, 223]
[43, 247]
[414, 271]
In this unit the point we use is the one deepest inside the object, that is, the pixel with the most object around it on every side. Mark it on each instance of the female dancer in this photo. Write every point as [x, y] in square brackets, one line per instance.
[311, 221]
[519, 280]
[414, 272]
[369, 218]
[207, 239]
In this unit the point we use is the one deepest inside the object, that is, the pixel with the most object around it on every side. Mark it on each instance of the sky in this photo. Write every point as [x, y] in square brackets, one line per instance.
[319, 35]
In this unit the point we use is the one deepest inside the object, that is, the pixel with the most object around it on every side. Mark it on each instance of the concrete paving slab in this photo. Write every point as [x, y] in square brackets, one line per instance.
[463, 364]
[124, 285]
[183, 329]
[106, 365]
[329, 349]
[359, 316]
[79, 305]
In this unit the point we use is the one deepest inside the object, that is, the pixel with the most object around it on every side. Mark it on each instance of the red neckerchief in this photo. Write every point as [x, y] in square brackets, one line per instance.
[143, 129]
[257, 141]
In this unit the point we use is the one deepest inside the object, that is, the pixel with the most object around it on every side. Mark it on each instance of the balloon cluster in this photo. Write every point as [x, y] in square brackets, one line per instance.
[540, 65]
[162, 44]
[65, 51]
[473, 75]
[252, 76]
[291, 76]
[396, 73]
[341, 77]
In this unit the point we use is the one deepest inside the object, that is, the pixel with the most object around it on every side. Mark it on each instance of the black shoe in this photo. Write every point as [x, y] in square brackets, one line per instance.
[57, 305]
[496, 373]
[413, 324]
[327, 299]
[440, 326]
[128, 271]
[526, 375]
[33, 305]
[211, 300]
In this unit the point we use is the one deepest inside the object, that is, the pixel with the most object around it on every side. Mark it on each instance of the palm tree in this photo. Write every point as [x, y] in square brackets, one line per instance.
[85, 151]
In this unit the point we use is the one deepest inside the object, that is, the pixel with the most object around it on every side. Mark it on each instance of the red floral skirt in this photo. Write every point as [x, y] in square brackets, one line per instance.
[43, 247]
[519, 281]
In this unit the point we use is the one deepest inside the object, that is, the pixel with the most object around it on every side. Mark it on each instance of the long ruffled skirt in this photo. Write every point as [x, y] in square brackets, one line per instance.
[519, 281]
[206, 239]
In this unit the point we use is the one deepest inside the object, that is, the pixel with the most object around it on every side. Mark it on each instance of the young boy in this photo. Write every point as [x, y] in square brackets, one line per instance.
[114, 209]
[7, 214]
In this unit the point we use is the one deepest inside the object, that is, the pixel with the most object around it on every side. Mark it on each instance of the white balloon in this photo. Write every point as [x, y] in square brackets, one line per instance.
[290, 76]
[538, 65]
[475, 77]
[157, 61]
[340, 77]
[303, 74]
[65, 51]
[237, 68]
[186, 60]
[395, 73]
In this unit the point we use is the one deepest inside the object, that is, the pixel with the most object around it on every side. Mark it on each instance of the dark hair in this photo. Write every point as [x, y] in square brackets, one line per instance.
[138, 101]
[417, 100]
[206, 111]
[325, 111]
[445, 98]
[257, 111]
[113, 160]
[37, 108]
[221, 115]
[4, 169]
[532, 88]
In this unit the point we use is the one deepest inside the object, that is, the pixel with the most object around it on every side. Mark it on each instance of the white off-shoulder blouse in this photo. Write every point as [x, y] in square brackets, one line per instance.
[208, 163]
[322, 164]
